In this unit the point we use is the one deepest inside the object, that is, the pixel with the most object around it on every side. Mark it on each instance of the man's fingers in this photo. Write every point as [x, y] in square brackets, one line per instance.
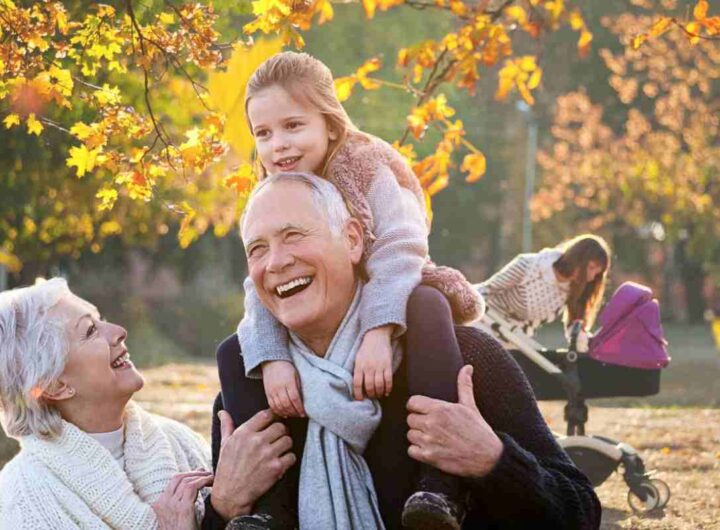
[416, 453]
[275, 431]
[288, 460]
[358, 383]
[259, 421]
[466, 394]
[417, 437]
[227, 427]
[417, 421]
[388, 380]
[282, 445]
[422, 404]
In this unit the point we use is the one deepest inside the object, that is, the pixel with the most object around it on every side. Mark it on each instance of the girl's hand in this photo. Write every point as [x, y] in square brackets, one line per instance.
[373, 364]
[282, 388]
[175, 508]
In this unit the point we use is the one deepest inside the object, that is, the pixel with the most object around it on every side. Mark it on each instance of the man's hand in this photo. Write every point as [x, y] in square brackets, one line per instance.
[453, 437]
[282, 388]
[252, 458]
[373, 364]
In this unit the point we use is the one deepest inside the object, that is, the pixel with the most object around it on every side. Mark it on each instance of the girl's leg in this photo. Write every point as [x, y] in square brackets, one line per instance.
[242, 399]
[431, 349]
[433, 360]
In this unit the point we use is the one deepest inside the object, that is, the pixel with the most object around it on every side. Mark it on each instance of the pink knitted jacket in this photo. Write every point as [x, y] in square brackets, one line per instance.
[352, 169]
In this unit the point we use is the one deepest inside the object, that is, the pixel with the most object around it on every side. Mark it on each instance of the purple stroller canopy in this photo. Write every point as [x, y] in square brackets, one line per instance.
[631, 333]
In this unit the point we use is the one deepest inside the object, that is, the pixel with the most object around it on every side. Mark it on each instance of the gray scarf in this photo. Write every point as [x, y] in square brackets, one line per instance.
[336, 487]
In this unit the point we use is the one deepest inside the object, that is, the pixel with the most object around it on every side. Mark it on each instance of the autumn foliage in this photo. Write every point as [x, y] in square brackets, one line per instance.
[148, 95]
[658, 170]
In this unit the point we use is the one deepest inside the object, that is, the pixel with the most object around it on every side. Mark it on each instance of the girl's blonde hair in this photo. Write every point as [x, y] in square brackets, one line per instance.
[308, 80]
[584, 297]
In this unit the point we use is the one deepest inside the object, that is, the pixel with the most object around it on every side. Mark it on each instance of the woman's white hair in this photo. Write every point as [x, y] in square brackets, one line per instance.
[33, 352]
[326, 197]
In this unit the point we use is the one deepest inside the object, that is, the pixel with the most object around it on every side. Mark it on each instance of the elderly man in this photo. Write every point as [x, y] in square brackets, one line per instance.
[296, 226]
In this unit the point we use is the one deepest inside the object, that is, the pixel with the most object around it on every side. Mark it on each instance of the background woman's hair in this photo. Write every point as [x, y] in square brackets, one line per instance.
[33, 352]
[584, 297]
[307, 80]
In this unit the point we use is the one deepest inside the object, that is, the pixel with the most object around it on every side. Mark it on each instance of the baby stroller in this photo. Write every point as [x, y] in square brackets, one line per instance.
[624, 359]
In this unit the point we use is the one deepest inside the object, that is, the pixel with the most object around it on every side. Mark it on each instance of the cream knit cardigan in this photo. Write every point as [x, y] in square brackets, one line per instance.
[73, 482]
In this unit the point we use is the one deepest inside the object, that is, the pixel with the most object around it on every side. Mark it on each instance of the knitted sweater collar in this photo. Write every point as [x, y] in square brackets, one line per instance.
[89, 471]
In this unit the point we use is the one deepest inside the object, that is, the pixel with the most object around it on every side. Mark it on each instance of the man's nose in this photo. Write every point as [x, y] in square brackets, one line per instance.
[279, 258]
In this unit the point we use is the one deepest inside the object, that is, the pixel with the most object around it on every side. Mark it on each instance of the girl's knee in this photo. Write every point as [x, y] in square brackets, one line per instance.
[426, 300]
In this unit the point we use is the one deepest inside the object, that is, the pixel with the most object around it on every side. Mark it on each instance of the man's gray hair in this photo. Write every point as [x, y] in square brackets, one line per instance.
[33, 352]
[326, 197]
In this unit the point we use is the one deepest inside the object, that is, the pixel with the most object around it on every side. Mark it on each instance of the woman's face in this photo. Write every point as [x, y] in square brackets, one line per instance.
[98, 368]
[594, 268]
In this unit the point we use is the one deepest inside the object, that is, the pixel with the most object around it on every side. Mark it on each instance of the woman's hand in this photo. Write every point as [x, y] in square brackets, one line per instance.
[282, 388]
[373, 364]
[175, 509]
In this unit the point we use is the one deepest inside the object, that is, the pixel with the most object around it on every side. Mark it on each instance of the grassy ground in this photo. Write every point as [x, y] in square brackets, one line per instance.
[677, 433]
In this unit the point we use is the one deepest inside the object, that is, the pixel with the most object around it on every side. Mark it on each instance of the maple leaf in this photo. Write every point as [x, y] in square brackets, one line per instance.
[344, 86]
[33, 125]
[83, 159]
[11, 120]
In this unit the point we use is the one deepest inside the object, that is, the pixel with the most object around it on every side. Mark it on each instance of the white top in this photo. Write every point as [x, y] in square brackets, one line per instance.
[113, 441]
[527, 290]
[71, 482]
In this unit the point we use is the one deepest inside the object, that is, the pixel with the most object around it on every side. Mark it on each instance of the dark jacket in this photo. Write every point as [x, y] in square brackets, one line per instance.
[534, 485]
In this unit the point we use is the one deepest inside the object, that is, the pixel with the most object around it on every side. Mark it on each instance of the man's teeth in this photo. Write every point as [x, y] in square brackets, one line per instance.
[282, 289]
[117, 363]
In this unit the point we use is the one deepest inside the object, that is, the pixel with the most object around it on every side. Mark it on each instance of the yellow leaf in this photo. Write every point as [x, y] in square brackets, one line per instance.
[107, 196]
[83, 159]
[535, 78]
[660, 27]
[638, 41]
[584, 42]
[344, 86]
[369, 6]
[475, 165]
[693, 28]
[166, 18]
[11, 120]
[33, 125]
[517, 13]
[700, 11]
[576, 21]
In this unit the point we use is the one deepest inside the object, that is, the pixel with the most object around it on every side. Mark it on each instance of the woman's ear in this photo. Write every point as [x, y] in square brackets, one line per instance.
[354, 236]
[332, 133]
[58, 391]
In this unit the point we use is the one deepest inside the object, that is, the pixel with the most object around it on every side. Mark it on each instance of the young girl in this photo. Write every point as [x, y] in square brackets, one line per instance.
[299, 125]
[535, 288]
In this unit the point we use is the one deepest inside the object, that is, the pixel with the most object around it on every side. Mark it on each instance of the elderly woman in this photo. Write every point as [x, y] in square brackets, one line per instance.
[90, 458]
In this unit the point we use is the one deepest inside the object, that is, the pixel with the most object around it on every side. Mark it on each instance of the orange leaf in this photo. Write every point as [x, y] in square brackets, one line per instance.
[344, 86]
[700, 11]
[369, 6]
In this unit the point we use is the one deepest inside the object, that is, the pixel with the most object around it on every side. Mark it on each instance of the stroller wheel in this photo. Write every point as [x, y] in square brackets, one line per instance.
[645, 500]
[663, 492]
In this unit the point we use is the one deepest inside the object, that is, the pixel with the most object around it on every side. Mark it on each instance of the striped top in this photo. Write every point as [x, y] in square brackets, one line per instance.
[527, 290]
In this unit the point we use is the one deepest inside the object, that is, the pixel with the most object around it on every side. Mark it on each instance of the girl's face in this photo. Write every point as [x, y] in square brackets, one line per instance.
[289, 135]
[593, 270]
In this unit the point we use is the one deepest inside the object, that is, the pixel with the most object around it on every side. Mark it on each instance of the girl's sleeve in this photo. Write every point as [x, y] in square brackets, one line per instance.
[508, 277]
[397, 256]
[261, 336]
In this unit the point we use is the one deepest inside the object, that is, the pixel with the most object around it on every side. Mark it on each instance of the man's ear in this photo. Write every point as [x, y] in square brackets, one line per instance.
[354, 237]
[58, 391]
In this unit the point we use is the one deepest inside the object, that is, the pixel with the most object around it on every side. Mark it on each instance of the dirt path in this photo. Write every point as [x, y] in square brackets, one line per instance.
[682, 445]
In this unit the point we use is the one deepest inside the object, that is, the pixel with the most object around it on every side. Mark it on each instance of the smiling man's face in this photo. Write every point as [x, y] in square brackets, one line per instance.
[302, 271]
